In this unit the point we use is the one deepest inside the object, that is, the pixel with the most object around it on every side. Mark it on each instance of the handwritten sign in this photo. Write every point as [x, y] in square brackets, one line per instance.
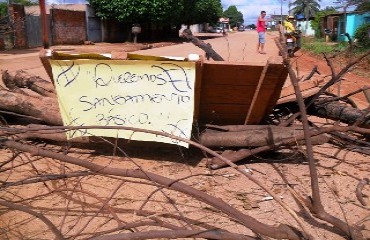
[153, 95]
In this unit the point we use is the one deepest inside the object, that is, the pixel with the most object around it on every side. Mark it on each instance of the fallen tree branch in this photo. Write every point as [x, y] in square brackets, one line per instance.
[188, 35]
[316, 204]
[58, 235]
[281, 231]
[271, 135]
[45, 108]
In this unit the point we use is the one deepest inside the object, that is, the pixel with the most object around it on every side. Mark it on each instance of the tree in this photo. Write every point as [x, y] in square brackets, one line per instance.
[315, 23]
[234, 15]
[363, 6]
[200, 11]
[3, 9]
[360, 5]
[136, 11]
[306, 7]
[165, 11]
[4, 5]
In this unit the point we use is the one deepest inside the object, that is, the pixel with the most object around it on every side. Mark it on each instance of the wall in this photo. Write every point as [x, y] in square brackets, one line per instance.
[18, 19]
[354, 21]
[94, 25]
[68, 27]
[306, 28]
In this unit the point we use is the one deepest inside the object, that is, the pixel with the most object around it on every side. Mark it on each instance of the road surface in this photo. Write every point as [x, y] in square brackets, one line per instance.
[235, 47]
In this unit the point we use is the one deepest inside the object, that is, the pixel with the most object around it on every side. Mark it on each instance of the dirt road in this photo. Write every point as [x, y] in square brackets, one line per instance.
[236, 47]
[80, 205]
[240, 46]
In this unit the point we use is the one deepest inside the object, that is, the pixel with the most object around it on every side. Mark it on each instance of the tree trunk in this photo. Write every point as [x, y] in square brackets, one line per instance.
[254, 137]
[45, 108]
[341, 112]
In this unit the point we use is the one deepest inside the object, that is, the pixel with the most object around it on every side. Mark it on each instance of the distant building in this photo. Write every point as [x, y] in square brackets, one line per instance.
[224, 23]
[344, 22]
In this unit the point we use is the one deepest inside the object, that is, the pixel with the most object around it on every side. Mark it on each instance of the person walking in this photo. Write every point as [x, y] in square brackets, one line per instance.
[261, 29]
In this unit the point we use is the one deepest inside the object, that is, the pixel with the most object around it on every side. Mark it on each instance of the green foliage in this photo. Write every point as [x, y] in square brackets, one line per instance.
[316, 25]
[3, 9]
[360, 5]
[25, 2]
[306, 7]
[363, 6]
[318, 46]
[160, 11]
[136, 11]
[252, 26]
[4, 5]
[199, 11]
[362, 35]
[235, 16]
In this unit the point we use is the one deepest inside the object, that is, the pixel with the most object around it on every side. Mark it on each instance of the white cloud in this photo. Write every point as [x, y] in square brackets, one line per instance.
[251, 9]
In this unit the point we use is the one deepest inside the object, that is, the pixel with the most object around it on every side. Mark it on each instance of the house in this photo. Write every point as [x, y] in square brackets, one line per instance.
[274, 20]
[304, 25]
[344, 22]
[224, 23]
[73, 24]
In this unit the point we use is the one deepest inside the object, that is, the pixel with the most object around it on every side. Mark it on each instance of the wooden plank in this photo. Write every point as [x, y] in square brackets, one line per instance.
[303, 86]
[227, 94]
[257, 92]
[198, 85]
[230, 73]
[218, 113]
[227, 90]
[263, 101]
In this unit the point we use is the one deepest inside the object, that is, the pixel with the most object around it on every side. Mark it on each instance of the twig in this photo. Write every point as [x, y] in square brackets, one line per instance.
[359, 188]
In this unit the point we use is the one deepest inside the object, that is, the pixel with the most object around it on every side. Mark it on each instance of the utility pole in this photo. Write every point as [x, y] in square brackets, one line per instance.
[281, 11]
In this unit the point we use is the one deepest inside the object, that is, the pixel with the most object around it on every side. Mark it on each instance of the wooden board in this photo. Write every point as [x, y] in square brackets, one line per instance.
[230, 90]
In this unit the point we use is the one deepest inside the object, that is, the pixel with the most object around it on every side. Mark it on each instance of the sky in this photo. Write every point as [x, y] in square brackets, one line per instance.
[249, 8]
[252, 8]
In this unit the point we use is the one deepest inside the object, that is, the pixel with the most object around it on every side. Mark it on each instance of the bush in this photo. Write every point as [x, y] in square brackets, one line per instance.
[362, 35]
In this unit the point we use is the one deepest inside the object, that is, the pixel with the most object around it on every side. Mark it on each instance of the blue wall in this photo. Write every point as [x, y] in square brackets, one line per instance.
[354, 20]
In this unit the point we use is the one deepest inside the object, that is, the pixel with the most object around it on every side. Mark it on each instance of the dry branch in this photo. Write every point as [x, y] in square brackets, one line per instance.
[256, 136]
[339, 111]
[281, 231]
[187, 34]
[359, 188]
[35, 83]
[316, 205]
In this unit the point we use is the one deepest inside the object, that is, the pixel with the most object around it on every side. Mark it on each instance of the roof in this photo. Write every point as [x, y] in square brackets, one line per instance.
[35, 10]
[349, 12]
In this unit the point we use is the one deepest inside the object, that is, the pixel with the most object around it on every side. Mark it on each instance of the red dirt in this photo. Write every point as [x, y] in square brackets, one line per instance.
[339, 172]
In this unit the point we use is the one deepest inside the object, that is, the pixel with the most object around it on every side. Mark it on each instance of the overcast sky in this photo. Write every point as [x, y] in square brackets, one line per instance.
[249, 8]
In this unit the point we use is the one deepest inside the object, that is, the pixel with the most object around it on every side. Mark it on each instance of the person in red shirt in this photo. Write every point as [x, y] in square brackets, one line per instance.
[261, 29]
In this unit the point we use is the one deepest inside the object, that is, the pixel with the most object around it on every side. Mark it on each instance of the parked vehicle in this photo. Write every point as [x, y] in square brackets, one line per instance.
[241, 28]
[216, 30]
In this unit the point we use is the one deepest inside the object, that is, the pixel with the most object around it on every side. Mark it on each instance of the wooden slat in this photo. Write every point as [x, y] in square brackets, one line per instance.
[222, 114]
[227, 90]
[264, 101]
[198, 84]
[230, 73]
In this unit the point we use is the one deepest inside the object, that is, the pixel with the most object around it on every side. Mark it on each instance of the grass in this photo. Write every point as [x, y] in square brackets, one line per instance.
[318, 46]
